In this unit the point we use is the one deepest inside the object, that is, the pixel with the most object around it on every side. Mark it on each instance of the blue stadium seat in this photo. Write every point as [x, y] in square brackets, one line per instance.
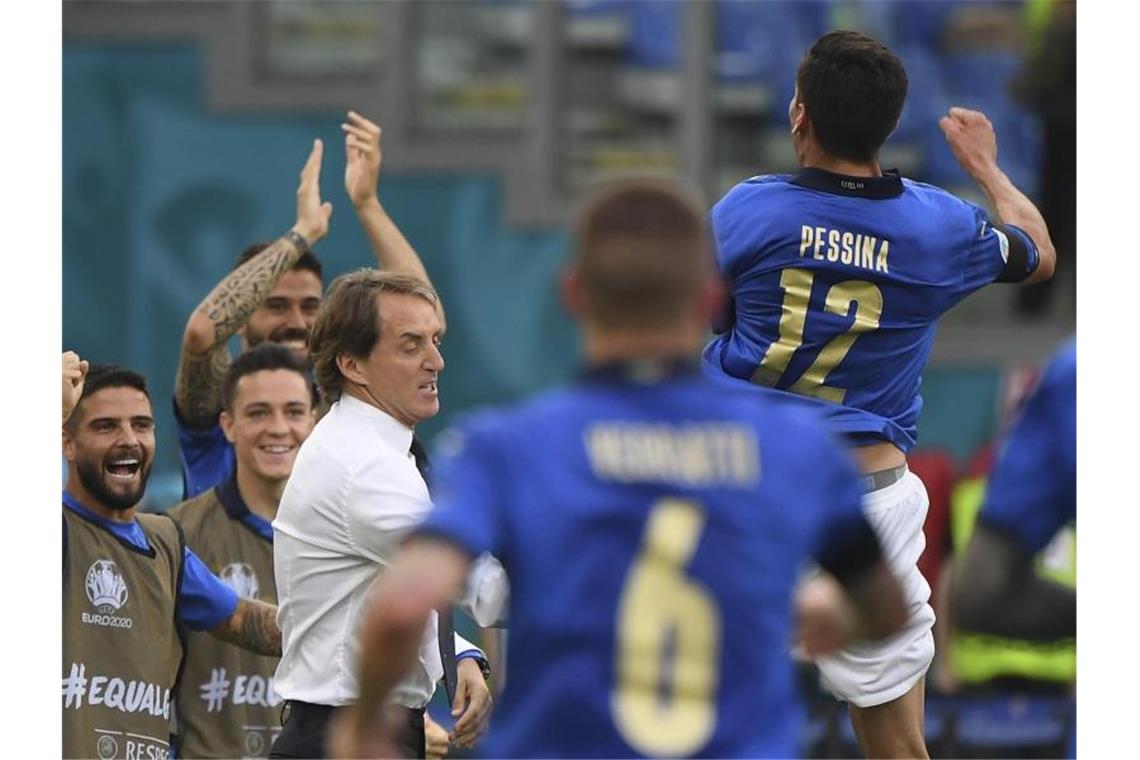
[921, 23]
[1013, 726]
[981, 73]
[926, 98]
[655, 36]
[761, 41]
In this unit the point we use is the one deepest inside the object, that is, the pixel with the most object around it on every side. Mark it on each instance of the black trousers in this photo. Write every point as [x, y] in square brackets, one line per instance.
[305, 729]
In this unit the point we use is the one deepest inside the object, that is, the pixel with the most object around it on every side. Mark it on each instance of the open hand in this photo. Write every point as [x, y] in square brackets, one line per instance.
[362, 151]
[972, 139]
[312, 215]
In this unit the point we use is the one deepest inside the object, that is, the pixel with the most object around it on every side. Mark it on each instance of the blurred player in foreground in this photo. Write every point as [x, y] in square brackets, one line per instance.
[653, 523]
[1031, 496]
[839, 275]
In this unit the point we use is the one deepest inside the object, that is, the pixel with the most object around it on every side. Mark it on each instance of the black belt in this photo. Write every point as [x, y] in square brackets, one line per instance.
[306, 711]
[877, 481]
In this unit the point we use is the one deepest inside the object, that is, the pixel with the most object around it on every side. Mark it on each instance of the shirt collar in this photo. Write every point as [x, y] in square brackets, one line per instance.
[230, 497]
[76, 506]
[235, 506]
[395, 433]
[642, 371]
[876, 188]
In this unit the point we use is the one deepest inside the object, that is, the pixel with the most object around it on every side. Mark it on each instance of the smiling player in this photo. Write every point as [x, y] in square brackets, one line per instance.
[227, 706]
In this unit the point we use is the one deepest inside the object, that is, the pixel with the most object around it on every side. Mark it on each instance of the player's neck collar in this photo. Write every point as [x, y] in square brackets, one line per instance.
[877, 188]
[642, 371]
[230, 497]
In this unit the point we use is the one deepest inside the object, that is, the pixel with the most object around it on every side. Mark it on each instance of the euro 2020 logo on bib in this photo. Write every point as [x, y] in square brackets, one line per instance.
[240, 577]
[106, 588]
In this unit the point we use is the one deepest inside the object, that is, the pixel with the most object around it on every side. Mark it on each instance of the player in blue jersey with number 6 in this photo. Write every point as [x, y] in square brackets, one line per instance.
[838, 276]
[653, 523]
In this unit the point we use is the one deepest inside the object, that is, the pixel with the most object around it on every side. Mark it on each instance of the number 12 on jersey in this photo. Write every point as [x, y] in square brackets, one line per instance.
[797, 284]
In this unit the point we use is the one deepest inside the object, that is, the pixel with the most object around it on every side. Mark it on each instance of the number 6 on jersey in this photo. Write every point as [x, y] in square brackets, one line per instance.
[665, 705]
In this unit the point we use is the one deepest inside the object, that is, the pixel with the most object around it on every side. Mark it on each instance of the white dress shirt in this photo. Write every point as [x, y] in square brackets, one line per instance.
[353, 495]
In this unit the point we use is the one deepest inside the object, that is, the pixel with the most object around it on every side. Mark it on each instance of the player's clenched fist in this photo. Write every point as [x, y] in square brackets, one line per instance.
[74, 375]
[312, 215]
[972, 139]
[825, 617]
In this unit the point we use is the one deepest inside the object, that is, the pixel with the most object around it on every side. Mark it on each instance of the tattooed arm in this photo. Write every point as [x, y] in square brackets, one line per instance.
[204, 358]
[361, 175]
[253, 626]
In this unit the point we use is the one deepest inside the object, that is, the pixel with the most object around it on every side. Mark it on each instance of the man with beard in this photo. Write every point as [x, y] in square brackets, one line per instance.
[273, 295]
[128, 579]
[227, 706]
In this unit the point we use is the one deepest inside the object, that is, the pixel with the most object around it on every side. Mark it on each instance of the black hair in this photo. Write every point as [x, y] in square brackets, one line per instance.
[308, 260]
[262, 357]
[853, 89]
[102, 376]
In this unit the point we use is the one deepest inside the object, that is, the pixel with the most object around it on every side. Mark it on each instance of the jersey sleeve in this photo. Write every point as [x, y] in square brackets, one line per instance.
[207, 457]
[995, 252]
[733, 230]
[468, 499]
[846, 545]
[1032, 492]
[204, 600]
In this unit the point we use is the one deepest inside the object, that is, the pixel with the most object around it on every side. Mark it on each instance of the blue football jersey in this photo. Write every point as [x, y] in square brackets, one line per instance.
[652, 526]
[1032, 492]
[838, 283]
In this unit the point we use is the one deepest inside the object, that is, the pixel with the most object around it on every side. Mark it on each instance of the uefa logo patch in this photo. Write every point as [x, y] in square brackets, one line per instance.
[106, 589]
[240, 577]
[107, 747]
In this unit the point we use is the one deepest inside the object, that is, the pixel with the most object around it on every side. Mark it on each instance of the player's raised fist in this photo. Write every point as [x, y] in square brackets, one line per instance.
[972, 140]
[312, 215]
[74, 375]
[363, 157]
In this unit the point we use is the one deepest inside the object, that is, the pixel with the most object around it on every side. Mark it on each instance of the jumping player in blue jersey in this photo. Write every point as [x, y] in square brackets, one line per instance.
[1031, 495]
[838, 276]
[653, 523]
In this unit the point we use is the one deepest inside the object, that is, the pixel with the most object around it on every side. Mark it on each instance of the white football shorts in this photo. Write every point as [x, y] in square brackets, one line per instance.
[874, 673]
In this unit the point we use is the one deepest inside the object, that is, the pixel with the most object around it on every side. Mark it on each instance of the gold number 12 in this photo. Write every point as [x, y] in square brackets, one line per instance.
[797, 285]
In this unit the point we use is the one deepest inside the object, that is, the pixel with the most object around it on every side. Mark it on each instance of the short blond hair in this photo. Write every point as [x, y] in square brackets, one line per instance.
[349, 320]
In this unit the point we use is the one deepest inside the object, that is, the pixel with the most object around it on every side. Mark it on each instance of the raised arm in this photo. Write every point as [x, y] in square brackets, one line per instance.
[204, 357]
[74, 375]
[972, 139]
[361, 175]
[253, 626]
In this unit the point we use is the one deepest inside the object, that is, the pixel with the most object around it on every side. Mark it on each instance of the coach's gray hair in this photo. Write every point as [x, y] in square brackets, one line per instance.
[349, 320]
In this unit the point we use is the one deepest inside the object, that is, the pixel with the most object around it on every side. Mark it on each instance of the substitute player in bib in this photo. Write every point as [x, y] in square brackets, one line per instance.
[839, 275]
[652, 522]
[129, 579]
[1031, 496]
[227, 706]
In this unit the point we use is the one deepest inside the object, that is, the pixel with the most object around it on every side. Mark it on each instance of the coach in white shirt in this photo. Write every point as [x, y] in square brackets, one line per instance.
[354, 492]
